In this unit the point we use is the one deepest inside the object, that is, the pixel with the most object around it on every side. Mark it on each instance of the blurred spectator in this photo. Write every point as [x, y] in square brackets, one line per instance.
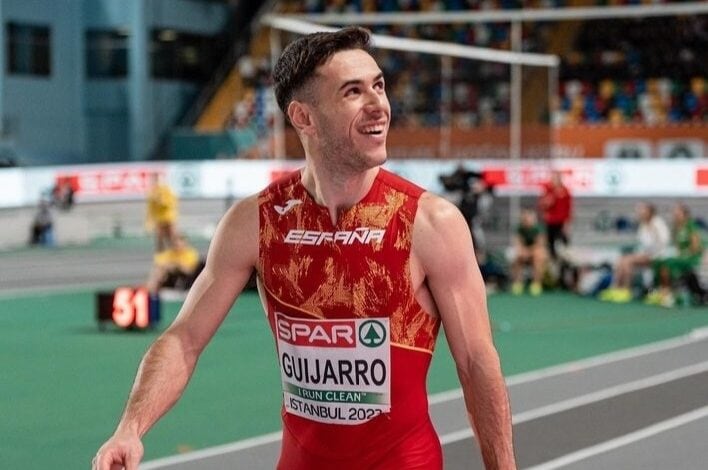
[645, 70]
[556, 207]
[689, 247]
[472, 191]
[250, 124]
[242, 131]
[529, 250]
[63, 194]
[42, 229]
[653, 239]
[161, 214]
[633, 70]
[177, 266]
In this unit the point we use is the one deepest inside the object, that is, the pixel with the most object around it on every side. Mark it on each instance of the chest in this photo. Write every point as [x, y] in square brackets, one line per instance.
[359, 265]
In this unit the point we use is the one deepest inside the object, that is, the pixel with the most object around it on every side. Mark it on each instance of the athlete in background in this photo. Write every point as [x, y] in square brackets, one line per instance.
[556, 205]
[161, 215]
[357, 269]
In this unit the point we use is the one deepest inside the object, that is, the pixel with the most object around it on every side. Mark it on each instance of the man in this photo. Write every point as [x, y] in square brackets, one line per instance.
[689, 253]
[161, 212]
[357, 268]
[178, 264]
[653, 239]
[529, 249]
[556, 206]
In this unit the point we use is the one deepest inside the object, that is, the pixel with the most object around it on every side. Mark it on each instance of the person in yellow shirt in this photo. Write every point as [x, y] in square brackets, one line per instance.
[162, 212]
[174, 266]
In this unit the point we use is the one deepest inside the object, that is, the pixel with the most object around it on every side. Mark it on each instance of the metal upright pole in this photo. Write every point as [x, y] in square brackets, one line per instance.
[515, 125]
[553, 98]
[279, 121]
[445, 106]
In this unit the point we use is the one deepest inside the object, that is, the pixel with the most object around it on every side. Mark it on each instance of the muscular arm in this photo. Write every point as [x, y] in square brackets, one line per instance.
[167, 366]
[442, 246]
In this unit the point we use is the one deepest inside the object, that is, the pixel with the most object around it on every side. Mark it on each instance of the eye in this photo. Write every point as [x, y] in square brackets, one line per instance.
[352, 91]
[380, 85]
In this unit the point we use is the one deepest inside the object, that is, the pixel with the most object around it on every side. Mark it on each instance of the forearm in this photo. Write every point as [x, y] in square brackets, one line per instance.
[488, 407]
[162, 376]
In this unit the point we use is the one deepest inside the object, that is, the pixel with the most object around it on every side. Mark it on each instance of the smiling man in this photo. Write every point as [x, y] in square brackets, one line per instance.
[357, 268]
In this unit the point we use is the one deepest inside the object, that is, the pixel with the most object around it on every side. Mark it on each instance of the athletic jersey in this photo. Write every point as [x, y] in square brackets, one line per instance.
[162, 204]
[529, 234]
[184, 259]
[354, 345]
[683, 238]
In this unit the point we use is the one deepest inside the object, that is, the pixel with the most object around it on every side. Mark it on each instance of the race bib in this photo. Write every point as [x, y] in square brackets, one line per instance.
[335, 371]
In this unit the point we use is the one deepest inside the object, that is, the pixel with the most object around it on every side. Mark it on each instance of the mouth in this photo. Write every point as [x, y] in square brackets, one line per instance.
[375, 129]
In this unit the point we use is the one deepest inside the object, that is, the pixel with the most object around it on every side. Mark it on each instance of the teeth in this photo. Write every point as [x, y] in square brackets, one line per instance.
[373, 129]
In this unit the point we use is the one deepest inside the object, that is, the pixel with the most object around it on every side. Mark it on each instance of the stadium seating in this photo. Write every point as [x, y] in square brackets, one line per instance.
[617, 71]
[627, 71]
[650, 71]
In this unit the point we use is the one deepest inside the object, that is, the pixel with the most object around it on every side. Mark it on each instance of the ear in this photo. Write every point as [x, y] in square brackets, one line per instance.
[300, 117]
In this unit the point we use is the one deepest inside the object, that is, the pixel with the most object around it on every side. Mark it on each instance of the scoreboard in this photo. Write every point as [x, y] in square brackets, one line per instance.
[130, 308]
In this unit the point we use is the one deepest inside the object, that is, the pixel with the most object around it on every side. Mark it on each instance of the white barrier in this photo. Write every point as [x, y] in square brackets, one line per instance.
[237, 178]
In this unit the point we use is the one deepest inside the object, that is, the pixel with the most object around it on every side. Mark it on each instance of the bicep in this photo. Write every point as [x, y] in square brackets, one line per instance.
[230, 262]
[444, 246]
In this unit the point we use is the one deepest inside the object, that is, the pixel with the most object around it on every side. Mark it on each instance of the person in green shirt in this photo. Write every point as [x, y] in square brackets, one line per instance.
[529, 249]
[689, 248]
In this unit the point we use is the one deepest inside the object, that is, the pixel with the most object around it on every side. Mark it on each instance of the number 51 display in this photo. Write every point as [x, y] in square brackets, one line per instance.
[128, 308]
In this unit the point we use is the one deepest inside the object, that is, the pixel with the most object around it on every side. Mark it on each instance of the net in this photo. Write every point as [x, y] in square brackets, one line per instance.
[451, 100]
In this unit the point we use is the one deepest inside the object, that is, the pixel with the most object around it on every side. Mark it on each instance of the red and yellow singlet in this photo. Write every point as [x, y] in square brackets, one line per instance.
[354, 345]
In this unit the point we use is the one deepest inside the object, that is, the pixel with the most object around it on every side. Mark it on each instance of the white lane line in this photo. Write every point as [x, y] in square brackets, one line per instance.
[582, 364]
[464, 433]
[457, 394]
[69, 288]
[589, 398]
[621, 441]
[213, 451]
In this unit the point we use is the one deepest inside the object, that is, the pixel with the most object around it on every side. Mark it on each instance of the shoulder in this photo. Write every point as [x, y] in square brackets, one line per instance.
[434, 212]
[236, 239]
[399, 183]
[279, 188]
[242, 215]
[439, 230]
[660, 223]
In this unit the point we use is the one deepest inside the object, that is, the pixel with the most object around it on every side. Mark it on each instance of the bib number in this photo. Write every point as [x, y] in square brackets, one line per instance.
[335, 371]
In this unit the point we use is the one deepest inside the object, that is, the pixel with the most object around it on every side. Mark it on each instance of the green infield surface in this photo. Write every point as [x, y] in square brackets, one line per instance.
[64, 383]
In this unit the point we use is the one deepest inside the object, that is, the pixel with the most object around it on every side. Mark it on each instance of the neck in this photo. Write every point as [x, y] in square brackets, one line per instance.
[334, 190]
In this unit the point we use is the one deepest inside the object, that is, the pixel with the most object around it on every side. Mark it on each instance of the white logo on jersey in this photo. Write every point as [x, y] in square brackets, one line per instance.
[363, 235]
[282, 210]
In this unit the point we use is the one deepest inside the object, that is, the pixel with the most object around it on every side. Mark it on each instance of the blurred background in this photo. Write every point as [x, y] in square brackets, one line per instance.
[490, 99]
[97, 95]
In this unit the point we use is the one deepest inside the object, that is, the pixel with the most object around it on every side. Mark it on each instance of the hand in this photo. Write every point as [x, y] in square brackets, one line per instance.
[122, 451]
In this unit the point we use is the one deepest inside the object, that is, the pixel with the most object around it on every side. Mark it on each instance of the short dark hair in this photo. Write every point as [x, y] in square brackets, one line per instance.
[683, 207]
[651, 208]
[298, 62]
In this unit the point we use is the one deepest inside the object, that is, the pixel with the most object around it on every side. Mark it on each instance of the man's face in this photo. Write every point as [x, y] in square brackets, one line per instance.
[351, 111]
[528, 218]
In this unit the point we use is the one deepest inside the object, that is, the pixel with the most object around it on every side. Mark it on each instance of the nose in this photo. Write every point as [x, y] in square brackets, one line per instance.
[375, 101]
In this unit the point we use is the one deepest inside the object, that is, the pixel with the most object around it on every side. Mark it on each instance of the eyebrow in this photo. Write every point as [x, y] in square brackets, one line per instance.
[359, 81]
